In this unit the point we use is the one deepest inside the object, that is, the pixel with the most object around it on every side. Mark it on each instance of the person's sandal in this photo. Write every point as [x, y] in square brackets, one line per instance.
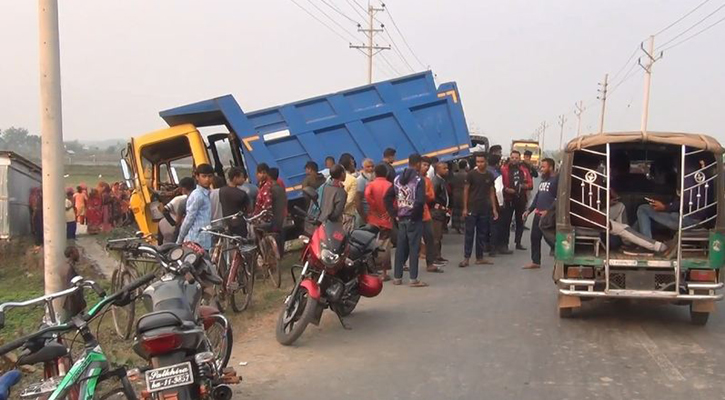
[463, 264]
[484, 261]
[418, 284]
[397, 282]
[435, 270]
[531, 266]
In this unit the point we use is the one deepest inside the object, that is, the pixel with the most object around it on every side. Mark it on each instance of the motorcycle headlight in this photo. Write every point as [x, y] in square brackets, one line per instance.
[329, 257]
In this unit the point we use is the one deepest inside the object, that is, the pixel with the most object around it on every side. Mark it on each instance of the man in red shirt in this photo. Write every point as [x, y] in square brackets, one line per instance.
[378, 216]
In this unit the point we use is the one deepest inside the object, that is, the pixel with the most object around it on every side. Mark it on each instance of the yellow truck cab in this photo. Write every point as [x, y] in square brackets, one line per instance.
[531, 145]
[150, 165]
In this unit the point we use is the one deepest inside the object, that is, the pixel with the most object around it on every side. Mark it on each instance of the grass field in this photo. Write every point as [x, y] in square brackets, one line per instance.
[91, 174]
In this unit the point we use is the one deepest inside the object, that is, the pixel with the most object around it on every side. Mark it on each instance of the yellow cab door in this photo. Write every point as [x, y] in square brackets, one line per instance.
[151, 157]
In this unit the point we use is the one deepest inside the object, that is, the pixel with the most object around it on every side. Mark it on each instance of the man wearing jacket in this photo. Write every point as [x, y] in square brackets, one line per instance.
[517, 183]
[405, 201]
[441, 205]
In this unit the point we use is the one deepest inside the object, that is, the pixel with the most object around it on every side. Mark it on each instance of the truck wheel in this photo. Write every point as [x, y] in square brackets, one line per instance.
[698, 318]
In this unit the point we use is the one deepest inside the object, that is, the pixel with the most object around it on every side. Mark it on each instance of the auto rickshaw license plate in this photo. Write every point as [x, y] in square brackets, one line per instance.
[169, 377]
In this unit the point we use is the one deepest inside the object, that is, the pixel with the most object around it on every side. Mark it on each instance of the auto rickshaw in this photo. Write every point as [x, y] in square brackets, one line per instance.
[613, 239]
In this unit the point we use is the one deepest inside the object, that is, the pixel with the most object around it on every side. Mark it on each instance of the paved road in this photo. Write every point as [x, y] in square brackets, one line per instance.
[489, 332]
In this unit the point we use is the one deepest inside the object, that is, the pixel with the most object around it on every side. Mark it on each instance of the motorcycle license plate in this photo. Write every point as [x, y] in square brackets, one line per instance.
[169, 377]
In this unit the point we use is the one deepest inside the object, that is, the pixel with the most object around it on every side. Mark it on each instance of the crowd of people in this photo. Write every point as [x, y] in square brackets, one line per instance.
[99, 209]
[480, 197]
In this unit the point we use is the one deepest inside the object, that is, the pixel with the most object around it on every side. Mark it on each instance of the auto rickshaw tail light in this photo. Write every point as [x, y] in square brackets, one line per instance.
[703, 275]
[580, 272]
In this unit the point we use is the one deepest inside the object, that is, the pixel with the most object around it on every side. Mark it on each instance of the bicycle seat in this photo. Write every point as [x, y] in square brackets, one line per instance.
[49, 352]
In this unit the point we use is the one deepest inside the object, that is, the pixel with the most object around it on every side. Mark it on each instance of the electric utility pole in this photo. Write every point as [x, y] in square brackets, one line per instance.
[371, 48]
[578, 112]
[562, 121]
[603, 98]
[543, 136]
[51, 131]
[651, 59]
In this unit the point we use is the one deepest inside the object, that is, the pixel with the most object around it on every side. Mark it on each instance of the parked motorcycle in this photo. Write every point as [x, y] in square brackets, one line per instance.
[337, 269]
[186, 344]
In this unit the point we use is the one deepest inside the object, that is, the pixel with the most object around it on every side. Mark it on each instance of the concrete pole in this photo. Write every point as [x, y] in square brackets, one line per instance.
[647, 83]
[51, 130]
[578, 112]
[371, 13]
[604, 103]
[562, 121]
[543, 136]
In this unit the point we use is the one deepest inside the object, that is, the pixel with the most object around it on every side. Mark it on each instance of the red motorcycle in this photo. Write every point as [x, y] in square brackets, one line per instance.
[337, 269]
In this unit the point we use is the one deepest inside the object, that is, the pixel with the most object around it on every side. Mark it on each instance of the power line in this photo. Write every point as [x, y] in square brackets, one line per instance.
[320, 21]
[682, 17]
[385, 59]
[403, 37]
[397, 51]
[357, 4]
[337, 10]
[694, 35]
[634, 53]
[693, 26]
[626, 77]
[333, 20]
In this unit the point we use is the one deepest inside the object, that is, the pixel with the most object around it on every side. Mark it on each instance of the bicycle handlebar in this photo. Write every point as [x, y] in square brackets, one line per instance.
[120, 295]
[241, 215]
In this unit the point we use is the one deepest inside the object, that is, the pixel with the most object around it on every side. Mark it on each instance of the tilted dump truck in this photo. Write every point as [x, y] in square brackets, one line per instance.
[408, 113]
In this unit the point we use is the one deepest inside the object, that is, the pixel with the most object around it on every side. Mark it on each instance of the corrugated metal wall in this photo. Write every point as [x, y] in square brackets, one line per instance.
[16, 180]
[4, 212]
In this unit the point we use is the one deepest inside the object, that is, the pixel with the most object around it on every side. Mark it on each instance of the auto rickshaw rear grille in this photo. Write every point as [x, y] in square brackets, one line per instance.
[663, 280]
[618, 281]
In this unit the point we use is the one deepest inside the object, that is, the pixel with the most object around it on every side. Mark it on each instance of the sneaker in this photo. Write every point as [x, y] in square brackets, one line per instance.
[440, 263]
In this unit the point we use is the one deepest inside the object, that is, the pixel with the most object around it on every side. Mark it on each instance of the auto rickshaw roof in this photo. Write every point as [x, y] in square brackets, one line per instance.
[695, 140]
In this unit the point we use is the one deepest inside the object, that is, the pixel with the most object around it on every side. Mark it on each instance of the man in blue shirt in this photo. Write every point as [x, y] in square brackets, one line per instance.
[198, 209]
[543, 201]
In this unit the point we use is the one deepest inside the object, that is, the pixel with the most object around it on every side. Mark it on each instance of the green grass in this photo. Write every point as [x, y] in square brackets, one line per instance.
[91, 174]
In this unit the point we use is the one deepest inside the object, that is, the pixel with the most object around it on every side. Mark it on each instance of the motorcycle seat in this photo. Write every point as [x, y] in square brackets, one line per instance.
[160, 319]
[47, 353]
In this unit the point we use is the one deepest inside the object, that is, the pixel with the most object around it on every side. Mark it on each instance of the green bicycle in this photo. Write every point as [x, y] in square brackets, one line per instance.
[44, 346]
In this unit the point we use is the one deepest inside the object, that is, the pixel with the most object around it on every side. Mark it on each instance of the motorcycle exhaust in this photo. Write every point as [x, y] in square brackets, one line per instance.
[222, 392]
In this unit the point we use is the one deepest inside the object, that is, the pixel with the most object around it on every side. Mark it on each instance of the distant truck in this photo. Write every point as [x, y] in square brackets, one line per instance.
[531, 145]
[408, 113]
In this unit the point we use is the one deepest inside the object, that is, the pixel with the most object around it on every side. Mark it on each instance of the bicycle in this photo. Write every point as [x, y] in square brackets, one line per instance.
[238, 254]
[268, 256]
[44, 346]
[131, 266]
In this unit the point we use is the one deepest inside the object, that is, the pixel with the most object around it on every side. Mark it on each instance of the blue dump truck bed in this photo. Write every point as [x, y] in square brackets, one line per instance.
[409, 114]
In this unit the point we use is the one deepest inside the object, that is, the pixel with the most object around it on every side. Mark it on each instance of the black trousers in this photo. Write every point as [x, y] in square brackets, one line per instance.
[536, 236]
[513, 209]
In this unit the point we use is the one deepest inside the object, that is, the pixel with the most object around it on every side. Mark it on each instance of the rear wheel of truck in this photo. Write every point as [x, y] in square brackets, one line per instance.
[698, 317]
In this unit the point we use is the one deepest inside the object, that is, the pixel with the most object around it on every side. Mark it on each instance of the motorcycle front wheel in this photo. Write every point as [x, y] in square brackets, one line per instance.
[295, 317]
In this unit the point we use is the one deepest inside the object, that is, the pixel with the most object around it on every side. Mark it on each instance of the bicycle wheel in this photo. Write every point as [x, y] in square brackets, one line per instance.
[220, 262]
[240, 294]
[220, 338]
[271, 260]
[123, 317]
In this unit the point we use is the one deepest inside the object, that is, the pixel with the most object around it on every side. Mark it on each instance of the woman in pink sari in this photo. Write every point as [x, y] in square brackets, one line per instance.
[94, 212]
[104, 191]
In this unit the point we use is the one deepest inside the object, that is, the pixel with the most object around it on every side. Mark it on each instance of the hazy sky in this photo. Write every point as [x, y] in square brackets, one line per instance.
[517, 62]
